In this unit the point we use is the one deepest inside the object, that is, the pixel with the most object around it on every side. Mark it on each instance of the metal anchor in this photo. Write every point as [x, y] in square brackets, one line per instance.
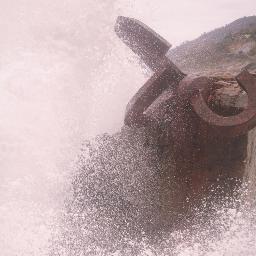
[168, 82]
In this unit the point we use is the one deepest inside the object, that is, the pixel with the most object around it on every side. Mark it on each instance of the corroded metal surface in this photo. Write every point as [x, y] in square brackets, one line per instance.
[142, 40]
[231, 125]
[152, 49]
[208, 146]
[148, 93]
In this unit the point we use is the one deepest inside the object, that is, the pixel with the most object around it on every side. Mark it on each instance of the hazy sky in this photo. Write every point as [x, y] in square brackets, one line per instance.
[61, 81]
[180, 20]
[177, 20]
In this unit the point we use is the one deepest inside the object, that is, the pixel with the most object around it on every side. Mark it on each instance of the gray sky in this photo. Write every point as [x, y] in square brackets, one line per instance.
[180, 20]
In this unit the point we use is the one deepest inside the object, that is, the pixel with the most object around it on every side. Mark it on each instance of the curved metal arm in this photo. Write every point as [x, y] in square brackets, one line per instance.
[152, 49]
[233, 125]
[166, 77]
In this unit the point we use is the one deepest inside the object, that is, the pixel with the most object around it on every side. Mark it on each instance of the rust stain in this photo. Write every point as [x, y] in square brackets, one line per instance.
[208, 148]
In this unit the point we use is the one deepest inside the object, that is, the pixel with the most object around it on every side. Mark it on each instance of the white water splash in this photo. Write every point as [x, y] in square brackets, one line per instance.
[65, 77]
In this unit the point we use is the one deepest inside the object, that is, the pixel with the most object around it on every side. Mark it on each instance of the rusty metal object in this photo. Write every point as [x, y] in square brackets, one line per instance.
[147, 94]
[152, 49]
[230, 126]
[206, 145]
[143, 41]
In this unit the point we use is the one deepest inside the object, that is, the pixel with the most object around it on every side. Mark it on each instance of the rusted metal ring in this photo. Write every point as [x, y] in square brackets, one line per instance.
[230, 126]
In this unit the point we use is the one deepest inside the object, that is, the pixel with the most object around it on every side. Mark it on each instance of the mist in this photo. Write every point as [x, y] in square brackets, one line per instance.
[64, 78]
